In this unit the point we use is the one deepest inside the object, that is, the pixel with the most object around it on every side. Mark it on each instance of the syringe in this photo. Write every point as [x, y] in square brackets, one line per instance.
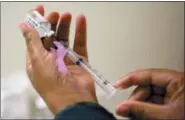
[102, 82]
[43, 27]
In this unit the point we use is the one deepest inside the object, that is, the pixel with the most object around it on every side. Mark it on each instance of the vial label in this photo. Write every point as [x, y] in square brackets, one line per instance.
[37, 21]
[32, 22]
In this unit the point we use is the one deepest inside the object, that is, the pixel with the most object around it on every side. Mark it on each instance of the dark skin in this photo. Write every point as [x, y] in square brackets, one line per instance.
[159, 93]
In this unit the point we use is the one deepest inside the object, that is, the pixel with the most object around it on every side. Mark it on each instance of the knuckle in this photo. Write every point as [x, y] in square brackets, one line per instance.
[137, 112]
[28, 36]
[178, 79]
[29, 69]
[33, 59]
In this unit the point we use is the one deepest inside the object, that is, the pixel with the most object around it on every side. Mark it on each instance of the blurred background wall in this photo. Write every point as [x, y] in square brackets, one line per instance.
[122, 37]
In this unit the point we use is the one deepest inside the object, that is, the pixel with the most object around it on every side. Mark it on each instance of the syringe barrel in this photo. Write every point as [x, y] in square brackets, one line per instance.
[102, 82]
[72, 55]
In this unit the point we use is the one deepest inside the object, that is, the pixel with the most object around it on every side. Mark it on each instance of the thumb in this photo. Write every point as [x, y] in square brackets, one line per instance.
[34, 45]
[140, 110]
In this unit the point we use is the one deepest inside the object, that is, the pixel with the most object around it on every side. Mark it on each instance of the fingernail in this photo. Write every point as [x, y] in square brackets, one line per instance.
[126, 77]
[122, 110]
[117, 83]
[117, 107]
[121, 81]
[24, 26]
[119, 110]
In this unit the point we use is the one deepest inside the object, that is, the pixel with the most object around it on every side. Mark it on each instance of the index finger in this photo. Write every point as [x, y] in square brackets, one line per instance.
[34, 44]
[158, 77]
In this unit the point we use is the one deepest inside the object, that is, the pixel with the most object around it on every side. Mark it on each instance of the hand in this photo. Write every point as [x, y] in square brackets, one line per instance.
[58, 89]
[159, 95]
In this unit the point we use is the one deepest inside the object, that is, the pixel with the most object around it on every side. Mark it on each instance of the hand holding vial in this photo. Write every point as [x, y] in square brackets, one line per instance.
[77, 85]
[43, 27]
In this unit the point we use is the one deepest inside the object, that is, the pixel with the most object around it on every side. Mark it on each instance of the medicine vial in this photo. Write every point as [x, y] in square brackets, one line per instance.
[37, 21]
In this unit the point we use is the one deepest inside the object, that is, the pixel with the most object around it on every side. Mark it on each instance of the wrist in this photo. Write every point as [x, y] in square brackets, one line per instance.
[59, 101]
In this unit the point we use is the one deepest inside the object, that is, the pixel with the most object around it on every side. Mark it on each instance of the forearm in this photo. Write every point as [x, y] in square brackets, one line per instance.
[84, 111]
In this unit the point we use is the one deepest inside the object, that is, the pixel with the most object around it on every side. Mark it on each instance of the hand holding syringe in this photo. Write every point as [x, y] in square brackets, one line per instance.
[44, 29]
